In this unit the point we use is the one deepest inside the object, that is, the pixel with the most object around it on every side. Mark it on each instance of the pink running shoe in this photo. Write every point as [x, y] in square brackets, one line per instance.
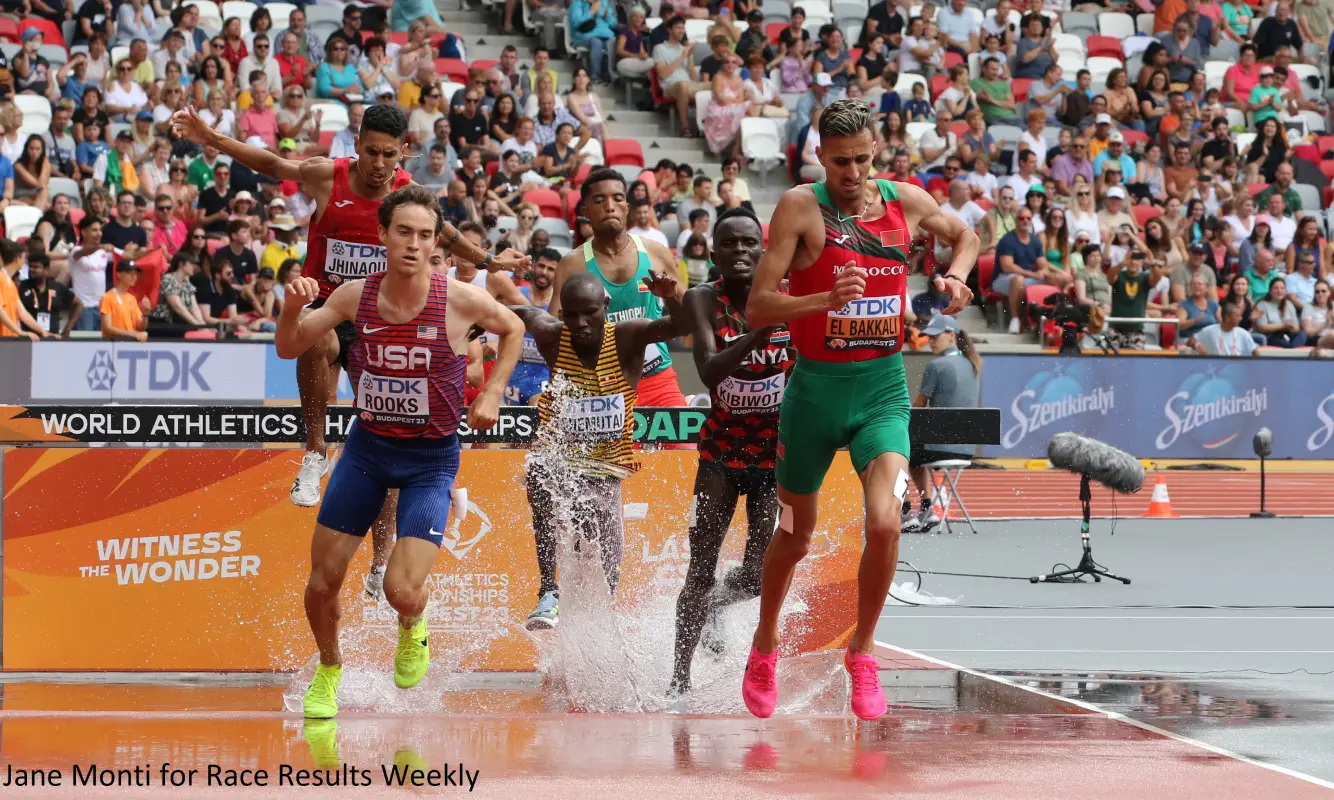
[868, 698]
[760, 688]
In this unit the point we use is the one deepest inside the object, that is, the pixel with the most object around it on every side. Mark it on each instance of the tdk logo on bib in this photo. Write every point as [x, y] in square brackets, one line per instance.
[600, 405]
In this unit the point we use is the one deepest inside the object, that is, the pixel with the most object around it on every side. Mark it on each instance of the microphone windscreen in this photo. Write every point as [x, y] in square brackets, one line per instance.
[1263, 443]
[1113, 468]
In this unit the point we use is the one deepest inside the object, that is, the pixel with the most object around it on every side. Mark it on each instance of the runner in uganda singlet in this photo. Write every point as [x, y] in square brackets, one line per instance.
[596, 414]
[742, 427]
[345, 241]
[407, 378]
[848, 388]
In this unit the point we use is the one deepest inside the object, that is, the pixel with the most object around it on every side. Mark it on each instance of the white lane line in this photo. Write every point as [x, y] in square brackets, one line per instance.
[1144, 726]
[1128, 618]
[1147, 652]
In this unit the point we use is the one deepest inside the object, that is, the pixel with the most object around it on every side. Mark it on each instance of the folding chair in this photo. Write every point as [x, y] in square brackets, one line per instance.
[952, 469]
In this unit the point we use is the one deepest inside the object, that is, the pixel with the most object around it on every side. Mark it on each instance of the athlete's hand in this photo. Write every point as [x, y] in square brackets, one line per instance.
[301, 292]
[959, 294]
[511, 261]
[187, 124]
[484, 412]
[662, 284]
[849, 285]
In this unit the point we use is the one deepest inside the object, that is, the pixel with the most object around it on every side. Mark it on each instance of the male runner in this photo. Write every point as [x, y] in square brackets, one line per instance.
[746, 370]
[594, 420]
[530, 378]
[622, 261]
[408, 365]
[843, 245]
[498, 284]
[344, 245]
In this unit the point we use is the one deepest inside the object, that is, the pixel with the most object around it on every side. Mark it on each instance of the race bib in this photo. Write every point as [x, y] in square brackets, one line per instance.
[404, 401]
[653, 358]
[870, 322]
[594, 419]
[349, 261]
[530, 353]
[763, 396]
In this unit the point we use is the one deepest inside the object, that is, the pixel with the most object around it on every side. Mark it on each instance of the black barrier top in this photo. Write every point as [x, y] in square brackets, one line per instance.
[283, 424]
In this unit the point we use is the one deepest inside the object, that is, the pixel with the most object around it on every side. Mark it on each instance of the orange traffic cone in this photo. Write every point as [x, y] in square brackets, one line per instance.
[1160, 505]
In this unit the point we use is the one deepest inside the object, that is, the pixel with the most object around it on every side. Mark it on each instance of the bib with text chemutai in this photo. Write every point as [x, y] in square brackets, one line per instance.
[594, 419]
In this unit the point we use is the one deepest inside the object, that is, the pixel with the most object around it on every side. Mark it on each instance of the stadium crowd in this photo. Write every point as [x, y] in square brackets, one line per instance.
[1146, 161]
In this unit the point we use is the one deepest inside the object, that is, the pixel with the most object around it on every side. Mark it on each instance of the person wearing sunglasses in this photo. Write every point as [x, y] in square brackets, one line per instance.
[261, 60]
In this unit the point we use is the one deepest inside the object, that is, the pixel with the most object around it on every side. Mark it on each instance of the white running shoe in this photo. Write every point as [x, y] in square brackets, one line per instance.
[375, 584]
[306, 488]
[1014, 325]
[929, 519]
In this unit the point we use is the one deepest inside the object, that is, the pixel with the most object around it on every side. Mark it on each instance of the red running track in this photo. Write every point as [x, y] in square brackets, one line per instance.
[1029, 494]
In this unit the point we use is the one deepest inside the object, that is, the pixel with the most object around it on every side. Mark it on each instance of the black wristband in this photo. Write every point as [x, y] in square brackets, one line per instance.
[949, 277]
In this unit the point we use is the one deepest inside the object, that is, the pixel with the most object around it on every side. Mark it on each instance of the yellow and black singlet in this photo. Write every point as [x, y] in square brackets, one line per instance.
[595, 412]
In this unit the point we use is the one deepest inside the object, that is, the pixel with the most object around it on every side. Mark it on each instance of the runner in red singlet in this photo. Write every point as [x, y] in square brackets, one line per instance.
[843, 244]
[344, 245]
[408, 365]
[746, 371]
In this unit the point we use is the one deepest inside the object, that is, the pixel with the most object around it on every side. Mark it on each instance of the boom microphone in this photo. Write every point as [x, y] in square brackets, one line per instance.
[1115, 469]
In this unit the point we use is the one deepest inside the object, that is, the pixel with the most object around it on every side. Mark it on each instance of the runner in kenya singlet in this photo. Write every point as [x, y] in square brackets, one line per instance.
[633, 300]
[344, 243]
[848, 388]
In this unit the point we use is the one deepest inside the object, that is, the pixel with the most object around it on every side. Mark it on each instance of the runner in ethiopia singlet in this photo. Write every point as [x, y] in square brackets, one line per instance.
[848, 387]
[344, 243]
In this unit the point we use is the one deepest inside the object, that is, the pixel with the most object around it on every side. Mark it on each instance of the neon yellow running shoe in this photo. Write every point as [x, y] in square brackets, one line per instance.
[321, 737]
[322, 696]
[412, 657]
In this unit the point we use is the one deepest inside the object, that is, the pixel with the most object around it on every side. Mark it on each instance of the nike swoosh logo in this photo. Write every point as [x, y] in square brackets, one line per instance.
[368, 329]
[435, 532]
[342, 204]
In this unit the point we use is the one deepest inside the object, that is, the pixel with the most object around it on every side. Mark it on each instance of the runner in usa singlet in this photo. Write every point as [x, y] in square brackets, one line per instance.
[848, 388]
[345, 240]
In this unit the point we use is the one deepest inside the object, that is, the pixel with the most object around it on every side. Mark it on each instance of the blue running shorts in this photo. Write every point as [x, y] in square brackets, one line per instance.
[526, 382]
[423, 470]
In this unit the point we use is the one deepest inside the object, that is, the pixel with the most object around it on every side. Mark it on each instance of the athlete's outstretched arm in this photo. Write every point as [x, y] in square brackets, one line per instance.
[713, 366]
[296, 333]
[479, 308]
[950, 230]
[665, 286]
[187, 124]
[800, 215]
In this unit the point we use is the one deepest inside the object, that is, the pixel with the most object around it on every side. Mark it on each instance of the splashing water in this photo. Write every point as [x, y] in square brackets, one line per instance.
[609, 653]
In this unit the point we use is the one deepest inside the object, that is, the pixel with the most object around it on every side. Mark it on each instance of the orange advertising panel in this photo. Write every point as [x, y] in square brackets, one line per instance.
[195, 559]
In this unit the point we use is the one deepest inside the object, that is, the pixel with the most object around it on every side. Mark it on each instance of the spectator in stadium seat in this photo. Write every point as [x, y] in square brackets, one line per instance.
[1277, 317]
[1115, 154]
[528, 84]
[994, 96]
[422, 119]
[1282, 186]
[121, 231]
[1308, 242]
[1067, 166]
[1091, 286]
[1317, 319]
[169, 232]
[1196, 311]
[406, 13]
[217, 296]
[215, 201]
[1184, 56]
[632, 54]
[1184, 273]
[294, 68]
[261, 60]
[1276, 31]
[1282, 227]
[1302, 283]
[88, 272]
[121, 316]
[1265, 104]
[336, 78]
[31, 70]
[434, 174]
[677, 76]
[1036, 49]
[593, 26]
[309, 45]
[1262, 274]
[1020, 263]
[454, 205]
[259, 121]
[237, 253]
[1227, 337]
[48, 301]
[344, 142]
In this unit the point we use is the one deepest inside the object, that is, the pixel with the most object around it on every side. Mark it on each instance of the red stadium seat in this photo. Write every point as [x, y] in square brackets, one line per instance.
[1145, 213]
[1020, 87]
[456, 69]
[650, 180]
[986, 272]
[953, 60]
[10, 32]
[1327, 167]
[764, 230]
[484, 63]
[581, 175]
[1167, 336]
[75, 216]
[1323, 143]
[1037, 295]
[855, 54]
[401, 38]
[1135, 138]
[327, 137]
[939, 84]
[50, 31]
[1256, 188]
[623, 152]
[1105, 46]
[492, 168]
[773, 30]
[547, 202]
[959, 127]
[1309, 152]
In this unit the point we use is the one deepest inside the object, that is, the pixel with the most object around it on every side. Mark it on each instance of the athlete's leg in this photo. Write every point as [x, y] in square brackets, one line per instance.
[790, 544]
[599, 522]
[312, 381]
[405, 577]
[762, 516]
[884, 482]
[330, 553]
[544, 528]
[714, 504]
[382, 540]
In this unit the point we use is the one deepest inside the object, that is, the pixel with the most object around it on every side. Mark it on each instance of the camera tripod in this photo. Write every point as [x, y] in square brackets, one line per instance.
[1087, 566]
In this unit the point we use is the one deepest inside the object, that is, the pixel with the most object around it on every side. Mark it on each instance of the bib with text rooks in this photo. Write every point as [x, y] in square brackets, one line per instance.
[762, 396]
[404, 401]
[594, 419]
[869, 322]
[350, 261]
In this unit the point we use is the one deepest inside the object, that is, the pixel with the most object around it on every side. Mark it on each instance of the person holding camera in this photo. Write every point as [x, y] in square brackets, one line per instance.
[1131, 285]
